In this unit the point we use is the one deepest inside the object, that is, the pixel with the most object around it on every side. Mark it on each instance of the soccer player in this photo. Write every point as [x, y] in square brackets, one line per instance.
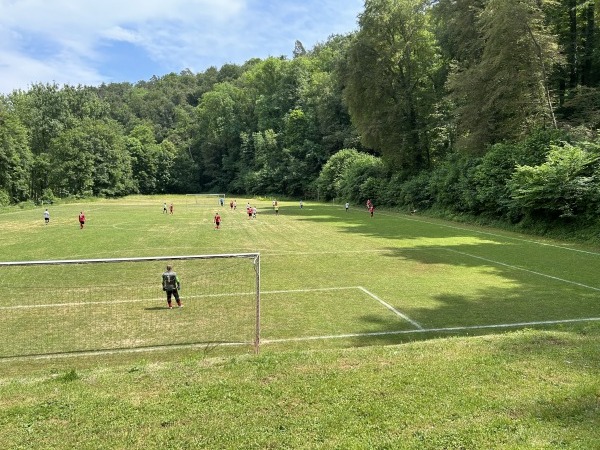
[276, 209]
[249, 211]
[371, 209]
[347, 206]
[81, 220]
[171, 208]
[46, 216]
[171, 285]
[165, 208]
[217, 221]
[301, 204]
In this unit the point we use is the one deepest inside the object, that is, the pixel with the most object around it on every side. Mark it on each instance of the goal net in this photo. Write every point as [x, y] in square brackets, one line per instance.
[210, 200]
[91, 305]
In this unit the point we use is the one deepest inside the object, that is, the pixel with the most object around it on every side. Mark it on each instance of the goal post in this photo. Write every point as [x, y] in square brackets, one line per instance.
[210, 200]
[117, 304]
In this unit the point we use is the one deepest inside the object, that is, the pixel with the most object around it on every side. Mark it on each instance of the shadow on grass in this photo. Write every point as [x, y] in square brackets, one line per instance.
[535, 283]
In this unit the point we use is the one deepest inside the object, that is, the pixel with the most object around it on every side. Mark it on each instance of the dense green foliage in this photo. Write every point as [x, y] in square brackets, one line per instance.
[449, 94]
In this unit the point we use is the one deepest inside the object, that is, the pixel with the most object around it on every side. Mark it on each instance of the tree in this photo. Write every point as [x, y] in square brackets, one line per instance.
[273, 88]
[390, 80]
[220, 121]
[504, 94]
[90, 159]
[15, 157]
[299, 49]
[145, 154]
[332, 173]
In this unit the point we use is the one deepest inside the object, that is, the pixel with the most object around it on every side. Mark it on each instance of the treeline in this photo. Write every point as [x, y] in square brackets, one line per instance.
[487, 107]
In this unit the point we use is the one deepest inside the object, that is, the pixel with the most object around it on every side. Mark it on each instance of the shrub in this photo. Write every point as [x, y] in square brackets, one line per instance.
[329, 181]
[563, 186]
[363, 179]
[4, 198]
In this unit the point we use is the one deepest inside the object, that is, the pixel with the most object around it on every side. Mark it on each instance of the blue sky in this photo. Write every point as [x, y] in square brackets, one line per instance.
[90, 42]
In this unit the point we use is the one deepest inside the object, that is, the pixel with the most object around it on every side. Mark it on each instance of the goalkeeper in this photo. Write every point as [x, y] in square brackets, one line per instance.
[171, 285]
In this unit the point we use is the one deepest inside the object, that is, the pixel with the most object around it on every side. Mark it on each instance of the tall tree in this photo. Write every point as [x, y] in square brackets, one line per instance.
[390, 80]
[91, 159]
[219, 126]
[15, 156]
[145, 155]
[505, 93]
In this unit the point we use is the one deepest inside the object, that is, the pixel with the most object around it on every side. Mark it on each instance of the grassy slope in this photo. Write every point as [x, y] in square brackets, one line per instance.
[524, 389]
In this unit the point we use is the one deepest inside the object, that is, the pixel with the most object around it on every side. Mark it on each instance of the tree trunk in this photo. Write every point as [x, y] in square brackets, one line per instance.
[587, 75]
[572, 45]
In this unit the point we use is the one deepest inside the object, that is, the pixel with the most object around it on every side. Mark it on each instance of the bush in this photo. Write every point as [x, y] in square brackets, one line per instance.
[362, 179]
[564, 186]
[48, 196]
[329, 181]
[414, 194]
[4, 198]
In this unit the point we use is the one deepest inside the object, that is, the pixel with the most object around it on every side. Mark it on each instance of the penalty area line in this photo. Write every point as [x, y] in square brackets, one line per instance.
[430, 330]
[159, 299]
[391, 308]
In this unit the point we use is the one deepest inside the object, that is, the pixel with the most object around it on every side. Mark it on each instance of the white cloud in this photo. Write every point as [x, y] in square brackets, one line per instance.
[118, 33]
[65, 40]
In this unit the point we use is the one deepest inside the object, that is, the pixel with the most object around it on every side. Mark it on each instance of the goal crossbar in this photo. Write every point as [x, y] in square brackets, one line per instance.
[135, 259]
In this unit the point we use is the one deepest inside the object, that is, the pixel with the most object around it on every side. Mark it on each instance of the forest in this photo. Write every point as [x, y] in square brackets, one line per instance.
[487, 108]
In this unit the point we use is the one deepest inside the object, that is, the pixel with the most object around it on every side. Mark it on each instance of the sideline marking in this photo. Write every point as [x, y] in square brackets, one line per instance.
[298, 339]
[523, 269]
[391, 308]
[430, 330]
[531, 241]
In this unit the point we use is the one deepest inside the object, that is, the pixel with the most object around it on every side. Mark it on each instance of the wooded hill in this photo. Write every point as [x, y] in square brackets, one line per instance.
[483, 107]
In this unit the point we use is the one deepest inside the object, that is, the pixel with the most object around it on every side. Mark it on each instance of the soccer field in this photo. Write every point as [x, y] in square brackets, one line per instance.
[328, 278]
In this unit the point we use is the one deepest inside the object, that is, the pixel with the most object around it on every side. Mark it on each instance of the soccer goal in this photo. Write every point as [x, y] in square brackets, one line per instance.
[94, 305]
[210, 200]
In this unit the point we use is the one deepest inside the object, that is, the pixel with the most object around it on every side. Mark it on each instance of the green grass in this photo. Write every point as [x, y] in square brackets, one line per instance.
[392, 332]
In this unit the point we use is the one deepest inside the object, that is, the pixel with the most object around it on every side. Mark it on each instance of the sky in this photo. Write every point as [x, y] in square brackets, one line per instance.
[90, 42]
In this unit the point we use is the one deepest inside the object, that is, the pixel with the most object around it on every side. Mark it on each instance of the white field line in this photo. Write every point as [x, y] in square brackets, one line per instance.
[78, 354]
[487, 233]
[510, 266]
[310, 290]
[299, 339]
[234, 294]
[391, 308]
[114, 302]
[431, 330]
